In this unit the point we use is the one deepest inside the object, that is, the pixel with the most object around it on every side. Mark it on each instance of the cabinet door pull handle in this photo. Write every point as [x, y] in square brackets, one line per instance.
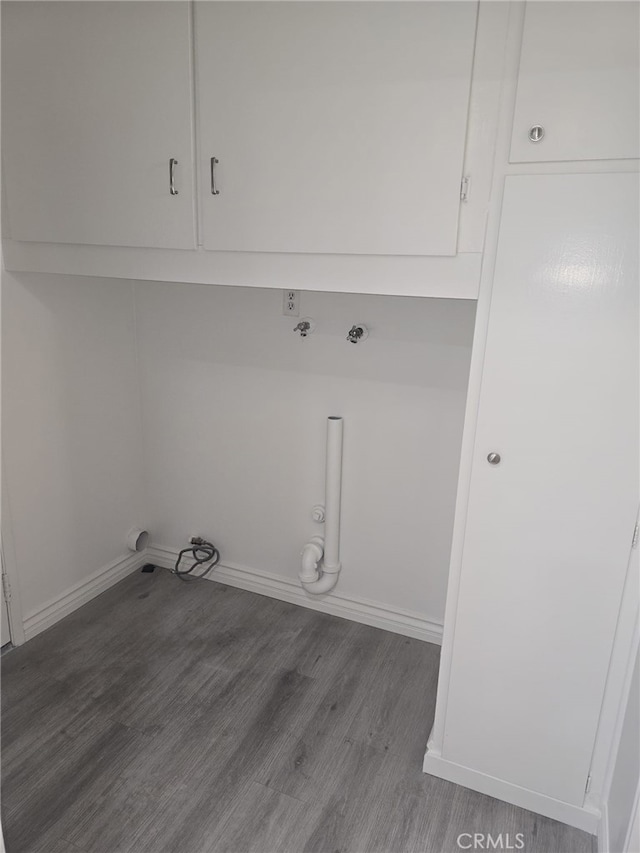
[172, 186]
[214, 162]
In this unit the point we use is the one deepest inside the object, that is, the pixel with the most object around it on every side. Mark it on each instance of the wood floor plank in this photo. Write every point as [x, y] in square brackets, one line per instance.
[476, 813]
[261, 628]
[397, 712]
[28, 759]
[339, 690]
[37, 798]
[215, 783]
[322, 643]
[61, 845]
[262, 820]
[352, 795]
[53, 843]
[146, 695]
[33, 717]
[170, 717]
[237, 736]
[314, 772]
[416, 813]
[209, 792]
[115, 819]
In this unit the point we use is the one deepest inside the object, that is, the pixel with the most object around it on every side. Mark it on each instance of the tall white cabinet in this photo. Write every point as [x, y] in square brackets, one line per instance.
[96, 123]
[554, 487]
[538, 619]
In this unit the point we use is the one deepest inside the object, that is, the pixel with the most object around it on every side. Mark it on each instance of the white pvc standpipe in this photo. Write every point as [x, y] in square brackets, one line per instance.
[332, 495]
[328, 550]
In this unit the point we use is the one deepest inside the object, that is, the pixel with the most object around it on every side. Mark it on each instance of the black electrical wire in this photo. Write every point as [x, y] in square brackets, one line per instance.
[202, 552]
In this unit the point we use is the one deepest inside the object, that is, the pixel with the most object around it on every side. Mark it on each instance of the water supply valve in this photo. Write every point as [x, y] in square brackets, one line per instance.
[357, 333]
[305, 327]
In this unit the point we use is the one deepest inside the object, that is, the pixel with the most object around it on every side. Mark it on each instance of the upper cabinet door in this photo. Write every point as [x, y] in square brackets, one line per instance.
[96, 100]
[337, 127]
[579, 82]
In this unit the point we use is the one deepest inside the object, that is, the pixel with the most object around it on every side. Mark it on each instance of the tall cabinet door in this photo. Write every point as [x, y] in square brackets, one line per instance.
[96, 101]
[550, 523]
[337, 127]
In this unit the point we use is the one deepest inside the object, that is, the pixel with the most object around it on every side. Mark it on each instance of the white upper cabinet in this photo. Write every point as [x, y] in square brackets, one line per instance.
[579, 82]
[96, 101]
[337, 127]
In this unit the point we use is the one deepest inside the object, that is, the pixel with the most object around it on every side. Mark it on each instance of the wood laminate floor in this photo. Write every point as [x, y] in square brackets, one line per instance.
[172, 717]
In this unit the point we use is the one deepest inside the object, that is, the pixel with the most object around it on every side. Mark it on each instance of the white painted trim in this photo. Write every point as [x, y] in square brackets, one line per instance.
[585, 818]
[572, 167]
[10, 567]
[454, 277]
[57, 608]
[617, 688]
[389, 618]
[604, 843]
[632, 841]
[511, 59]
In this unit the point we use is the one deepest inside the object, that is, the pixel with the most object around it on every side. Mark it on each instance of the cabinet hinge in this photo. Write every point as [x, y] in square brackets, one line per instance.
[465, 183]
[636, 532]
[6, 588]
[587, 787]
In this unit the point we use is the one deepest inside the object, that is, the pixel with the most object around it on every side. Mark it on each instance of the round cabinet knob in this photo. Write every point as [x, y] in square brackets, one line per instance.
[493, 459]
[536, 133]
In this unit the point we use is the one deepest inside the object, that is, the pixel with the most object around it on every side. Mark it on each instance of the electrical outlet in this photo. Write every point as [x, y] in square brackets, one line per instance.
[291, 303]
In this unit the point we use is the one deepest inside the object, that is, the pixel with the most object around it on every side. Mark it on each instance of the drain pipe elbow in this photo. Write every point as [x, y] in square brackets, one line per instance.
[326, 583]
[312, 553]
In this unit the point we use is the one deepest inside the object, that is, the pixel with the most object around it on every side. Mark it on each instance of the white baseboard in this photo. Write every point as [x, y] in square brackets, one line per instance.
[357, 609]
[44, 617]
[586, 818]
[604, 844]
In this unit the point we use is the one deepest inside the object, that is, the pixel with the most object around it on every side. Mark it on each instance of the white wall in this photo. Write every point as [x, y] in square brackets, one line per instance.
[71, 427]
[234, 409]
[233, 429]
[626, 776]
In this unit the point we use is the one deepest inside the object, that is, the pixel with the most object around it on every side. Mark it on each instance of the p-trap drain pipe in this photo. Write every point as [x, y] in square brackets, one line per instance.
[321, 557]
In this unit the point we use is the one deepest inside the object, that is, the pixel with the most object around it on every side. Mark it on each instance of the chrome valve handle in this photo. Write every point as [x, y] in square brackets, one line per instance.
[357, 333]
[305, 327]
